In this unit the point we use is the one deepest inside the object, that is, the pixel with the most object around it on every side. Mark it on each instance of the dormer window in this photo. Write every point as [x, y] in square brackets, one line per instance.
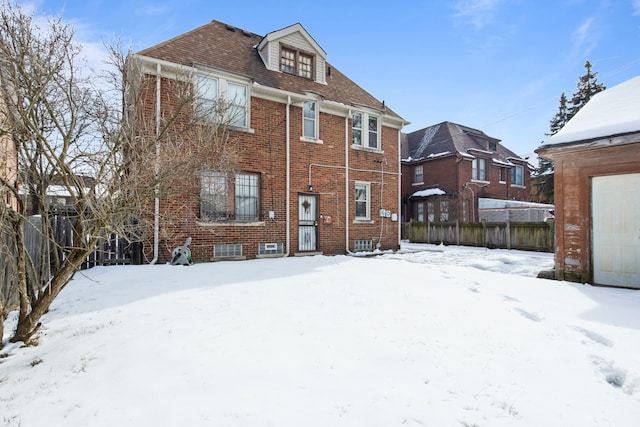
[493, 146]
[295, 62]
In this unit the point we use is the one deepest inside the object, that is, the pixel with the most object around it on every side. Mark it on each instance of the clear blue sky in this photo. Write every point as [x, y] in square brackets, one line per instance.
[495, 65]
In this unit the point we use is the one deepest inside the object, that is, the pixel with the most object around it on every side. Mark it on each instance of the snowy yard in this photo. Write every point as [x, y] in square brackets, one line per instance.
[429, 336]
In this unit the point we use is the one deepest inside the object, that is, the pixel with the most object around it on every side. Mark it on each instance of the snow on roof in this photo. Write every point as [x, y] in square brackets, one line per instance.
[613, 111]
[444, 153]
[428, 192]
[486, 203]
[501, 162]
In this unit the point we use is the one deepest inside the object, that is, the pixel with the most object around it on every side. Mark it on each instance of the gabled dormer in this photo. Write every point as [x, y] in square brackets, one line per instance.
[292, 50]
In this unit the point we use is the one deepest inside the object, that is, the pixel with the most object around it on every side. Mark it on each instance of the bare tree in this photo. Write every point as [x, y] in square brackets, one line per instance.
[93, 138]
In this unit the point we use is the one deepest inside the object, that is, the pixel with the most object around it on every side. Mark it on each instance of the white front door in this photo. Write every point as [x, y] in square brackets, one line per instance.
[616, 230]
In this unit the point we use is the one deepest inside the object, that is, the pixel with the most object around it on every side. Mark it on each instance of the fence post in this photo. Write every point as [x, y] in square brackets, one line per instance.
[484, 233]
[508, 237]
[457, 232]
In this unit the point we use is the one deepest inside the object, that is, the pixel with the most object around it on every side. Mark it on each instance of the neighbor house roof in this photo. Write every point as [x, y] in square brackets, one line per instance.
[222, 46]
[612, 112]
[449, 138]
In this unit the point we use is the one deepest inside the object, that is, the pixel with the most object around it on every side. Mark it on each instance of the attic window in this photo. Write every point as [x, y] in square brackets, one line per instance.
[295, 62]
[493, 146]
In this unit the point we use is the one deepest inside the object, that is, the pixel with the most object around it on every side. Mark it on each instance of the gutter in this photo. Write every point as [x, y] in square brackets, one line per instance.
[346, 182]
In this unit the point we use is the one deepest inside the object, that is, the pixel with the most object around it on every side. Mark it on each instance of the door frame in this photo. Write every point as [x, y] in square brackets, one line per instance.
[308, 225]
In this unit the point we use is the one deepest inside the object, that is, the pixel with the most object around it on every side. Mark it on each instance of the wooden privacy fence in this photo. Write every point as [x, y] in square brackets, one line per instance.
[115, 250]
[529, 236]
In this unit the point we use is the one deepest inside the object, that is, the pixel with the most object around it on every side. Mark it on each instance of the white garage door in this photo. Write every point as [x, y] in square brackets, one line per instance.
[616, 230]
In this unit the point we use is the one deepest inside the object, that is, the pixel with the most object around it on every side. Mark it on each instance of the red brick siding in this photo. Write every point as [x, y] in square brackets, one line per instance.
[264, 152]
[572, 184]
[452, 172]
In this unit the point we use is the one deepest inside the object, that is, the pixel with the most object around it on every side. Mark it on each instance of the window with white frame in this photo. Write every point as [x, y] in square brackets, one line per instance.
[417, 173]
[224, 197]
[210, 91]
[368, 136]
[517, 175]
[293, 61]
[479, 169]
[310, 119]
[237, 104]
[362, 200]
[206, 95]
[420, 212]
[373, 132]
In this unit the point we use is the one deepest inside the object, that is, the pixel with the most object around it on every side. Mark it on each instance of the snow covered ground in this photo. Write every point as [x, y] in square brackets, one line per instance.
[428, 336]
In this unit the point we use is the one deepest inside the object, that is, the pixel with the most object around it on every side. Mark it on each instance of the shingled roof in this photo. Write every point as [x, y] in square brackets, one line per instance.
[449, 138]
[222, 46]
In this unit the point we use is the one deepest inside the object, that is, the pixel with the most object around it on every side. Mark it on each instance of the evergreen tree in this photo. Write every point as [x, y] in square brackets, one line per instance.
[587, 87]
[561, 117]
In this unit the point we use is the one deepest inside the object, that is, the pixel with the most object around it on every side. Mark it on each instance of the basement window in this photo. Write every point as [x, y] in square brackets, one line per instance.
[227, 251]
[363, 245]
[270, 249]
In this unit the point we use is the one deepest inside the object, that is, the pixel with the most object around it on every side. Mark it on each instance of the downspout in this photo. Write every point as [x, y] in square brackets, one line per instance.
[288, 179]
[400, 188]
[382, 162]
[156, 208]
[346, 182]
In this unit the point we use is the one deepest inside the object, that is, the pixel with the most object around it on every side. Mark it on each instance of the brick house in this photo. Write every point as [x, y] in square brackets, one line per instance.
[319, 166]
[596, 158]
[447, 168]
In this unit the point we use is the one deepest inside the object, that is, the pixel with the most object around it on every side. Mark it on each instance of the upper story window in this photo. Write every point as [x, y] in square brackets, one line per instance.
[363, 197]
[224, 197]
[365, 136]
[310, 119]
[417, 173]
[206, 95]
[293, 61]
[479, 169]
[237, 103]
[493, 146]
[222, 100]
[517, 175]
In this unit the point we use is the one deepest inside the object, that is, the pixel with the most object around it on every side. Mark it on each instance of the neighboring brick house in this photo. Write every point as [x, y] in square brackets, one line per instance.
[319, 166]
[447, 167]
[596, 158]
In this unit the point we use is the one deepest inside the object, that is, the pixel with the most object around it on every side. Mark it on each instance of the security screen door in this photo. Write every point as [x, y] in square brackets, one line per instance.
[307, 222]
